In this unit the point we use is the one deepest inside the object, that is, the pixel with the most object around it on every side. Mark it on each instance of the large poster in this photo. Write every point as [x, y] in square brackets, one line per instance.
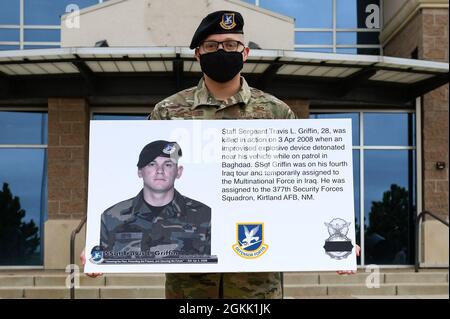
[220, 196]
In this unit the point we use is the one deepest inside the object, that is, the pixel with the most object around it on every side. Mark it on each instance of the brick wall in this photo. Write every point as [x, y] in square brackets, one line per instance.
[68, 125]
[428, 31]
[435, 115]
[406, 41]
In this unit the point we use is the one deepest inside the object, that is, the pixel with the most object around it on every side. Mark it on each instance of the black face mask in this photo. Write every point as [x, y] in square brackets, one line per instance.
[221, 66]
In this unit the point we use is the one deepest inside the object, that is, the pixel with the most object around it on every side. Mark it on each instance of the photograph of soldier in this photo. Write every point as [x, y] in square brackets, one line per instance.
[159, 222]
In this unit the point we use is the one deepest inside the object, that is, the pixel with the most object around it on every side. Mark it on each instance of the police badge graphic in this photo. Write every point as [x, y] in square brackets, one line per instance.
[96, 255]
[227, 22]
[250, 240]
[338, 245]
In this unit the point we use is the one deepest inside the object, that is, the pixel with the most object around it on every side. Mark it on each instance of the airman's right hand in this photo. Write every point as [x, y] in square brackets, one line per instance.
[83, 262]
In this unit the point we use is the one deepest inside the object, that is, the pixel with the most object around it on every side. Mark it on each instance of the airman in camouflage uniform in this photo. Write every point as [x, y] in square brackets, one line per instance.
[180, 228]
[222, 66]
[198, 103]
[169, 225]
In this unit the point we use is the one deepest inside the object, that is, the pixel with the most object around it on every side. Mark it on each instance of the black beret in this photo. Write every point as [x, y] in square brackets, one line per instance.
[159, 148]
[218, 22]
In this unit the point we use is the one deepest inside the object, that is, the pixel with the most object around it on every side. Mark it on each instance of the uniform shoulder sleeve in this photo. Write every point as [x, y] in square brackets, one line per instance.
[280, 109]
[111, 218]
[169, 107]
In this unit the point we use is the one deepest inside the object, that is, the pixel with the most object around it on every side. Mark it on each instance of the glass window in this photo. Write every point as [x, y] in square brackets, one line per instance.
[367, 37]
[357, 198]
[369, 51]
[314, 38]
[354, 38]
[23, 128]
[23, 205]
[318, 14]
[353, 116]
[49, 12]
[42, 35]
[389, 205]
[10, 12]
[317, 50]
[389, 187]
[346, 15]
[37, 47]
[348, 38]
[307, 13]
[23, 187]
[389, 129]
[122, 117]
[346, 50]
[9, 47]
[249, 1]
[9, 35]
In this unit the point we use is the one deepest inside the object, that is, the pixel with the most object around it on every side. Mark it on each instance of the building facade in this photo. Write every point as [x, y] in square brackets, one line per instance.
[400, 149]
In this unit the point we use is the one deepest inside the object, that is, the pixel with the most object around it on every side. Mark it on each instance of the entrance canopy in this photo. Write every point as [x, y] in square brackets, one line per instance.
[146, 75]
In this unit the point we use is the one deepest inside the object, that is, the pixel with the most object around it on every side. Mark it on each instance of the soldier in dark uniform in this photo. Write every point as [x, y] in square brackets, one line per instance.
[159, 221]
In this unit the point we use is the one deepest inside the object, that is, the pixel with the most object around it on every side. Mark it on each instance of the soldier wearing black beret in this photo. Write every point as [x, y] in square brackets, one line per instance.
[218, 22]
[146, 222]
[159, 148]
[222, 93]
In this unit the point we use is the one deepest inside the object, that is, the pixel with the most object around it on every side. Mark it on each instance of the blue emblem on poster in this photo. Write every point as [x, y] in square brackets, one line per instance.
[250, 240]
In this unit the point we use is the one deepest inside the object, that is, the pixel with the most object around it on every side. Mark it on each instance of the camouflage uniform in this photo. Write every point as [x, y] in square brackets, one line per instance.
[183, 227]
[197, 103]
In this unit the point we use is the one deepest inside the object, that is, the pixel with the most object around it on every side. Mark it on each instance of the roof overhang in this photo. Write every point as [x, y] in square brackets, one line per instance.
[145, 75]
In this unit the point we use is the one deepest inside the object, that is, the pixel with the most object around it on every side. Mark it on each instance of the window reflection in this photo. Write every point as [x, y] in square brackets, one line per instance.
[389, 186]
[346, 50]
[9, 12]
[368, 51]
[49, 12]
[313, 37]
[42, 35]
[389, 129]
[389, 204]
[23, 128]
[317, 50]
[353, 116]
[357, 197]
[307, 13]
[23, 205]
[346, 14]
[9, 47]
[9, 35]
[346, 38]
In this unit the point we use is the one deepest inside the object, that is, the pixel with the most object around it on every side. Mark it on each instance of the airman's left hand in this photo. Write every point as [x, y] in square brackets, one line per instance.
[350, 272]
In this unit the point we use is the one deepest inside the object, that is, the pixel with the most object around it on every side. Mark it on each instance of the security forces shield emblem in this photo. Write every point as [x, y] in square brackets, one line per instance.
[250, 240]
[338, 245]
[228, 22]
